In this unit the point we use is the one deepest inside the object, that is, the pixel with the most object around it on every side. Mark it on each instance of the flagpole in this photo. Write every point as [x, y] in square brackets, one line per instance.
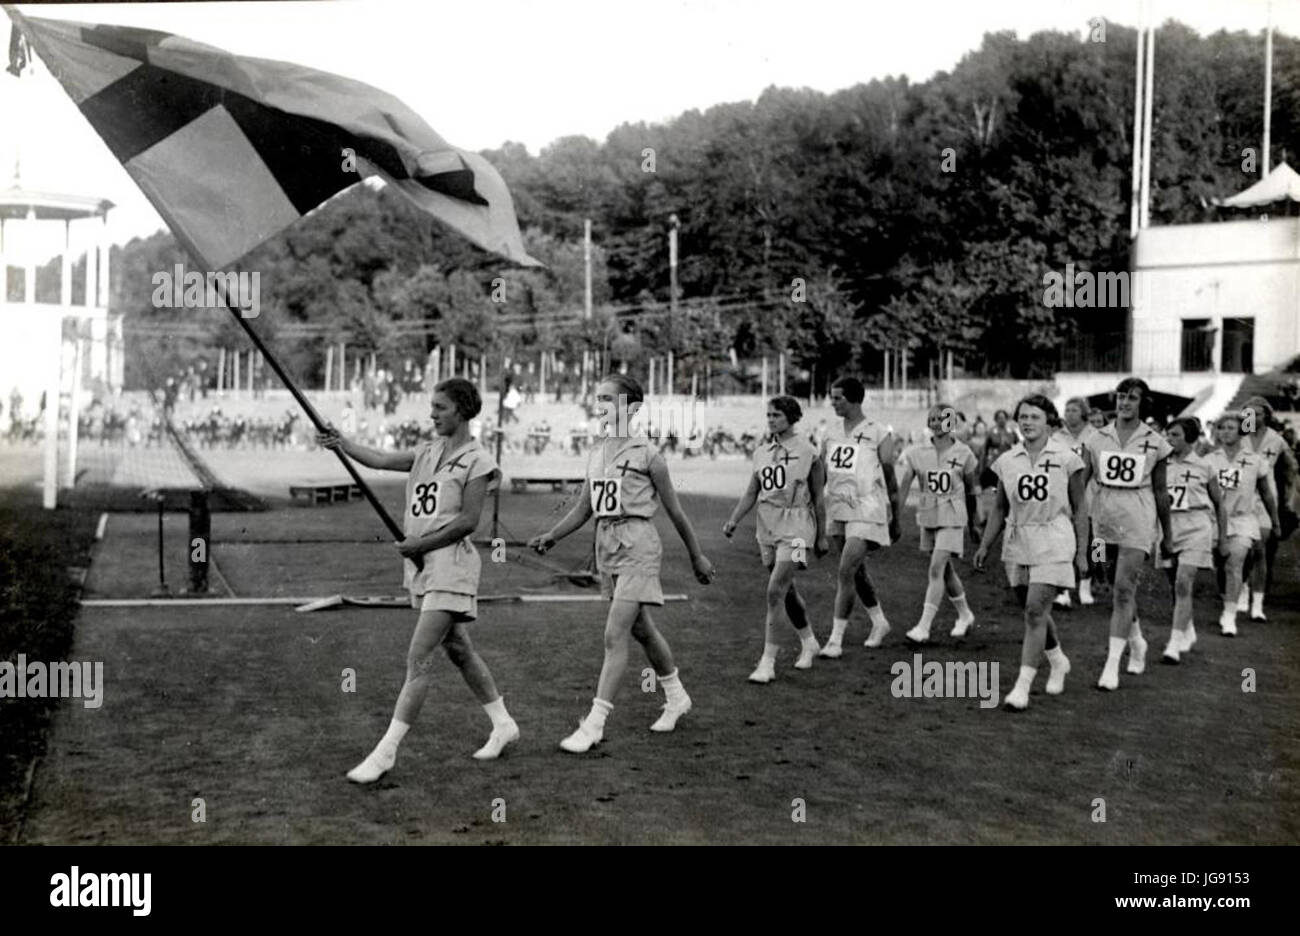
[270, 358]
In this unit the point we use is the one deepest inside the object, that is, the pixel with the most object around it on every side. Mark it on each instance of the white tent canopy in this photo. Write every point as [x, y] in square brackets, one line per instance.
[1280, 184]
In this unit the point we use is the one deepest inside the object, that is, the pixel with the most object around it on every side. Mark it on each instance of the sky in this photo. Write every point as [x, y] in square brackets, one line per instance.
[483, 72]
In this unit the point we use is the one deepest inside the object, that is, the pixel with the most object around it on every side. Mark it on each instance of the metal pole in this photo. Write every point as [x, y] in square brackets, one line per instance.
[1268, 87]
[1146, 120]
[1135, 208]
[586, 252]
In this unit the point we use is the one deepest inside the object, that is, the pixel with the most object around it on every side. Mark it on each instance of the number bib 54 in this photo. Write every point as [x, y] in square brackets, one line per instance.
[1121, 469]
[606, 497]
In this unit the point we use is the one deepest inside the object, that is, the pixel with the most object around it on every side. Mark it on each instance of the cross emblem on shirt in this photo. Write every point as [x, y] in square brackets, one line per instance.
[624, 468]
[1147, 446]
[1048, 464]
[1187, 477]
[454, 463]
[1244, 461]
[954, 463]
[786, 458]
[860, 438]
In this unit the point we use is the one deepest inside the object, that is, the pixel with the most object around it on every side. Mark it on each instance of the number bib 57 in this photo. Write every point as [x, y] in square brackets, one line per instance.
[1178, 499]
[606, 497]
[1121, 469]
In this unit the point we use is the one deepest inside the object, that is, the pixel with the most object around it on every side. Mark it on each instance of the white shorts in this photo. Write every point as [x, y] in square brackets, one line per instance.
[460, 607]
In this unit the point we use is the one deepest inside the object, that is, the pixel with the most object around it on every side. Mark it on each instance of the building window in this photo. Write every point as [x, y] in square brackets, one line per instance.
[1238, 346]
[1198, 346]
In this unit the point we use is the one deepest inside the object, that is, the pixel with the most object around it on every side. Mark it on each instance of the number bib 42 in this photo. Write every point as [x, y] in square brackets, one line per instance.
[1033, 488]
[607, 497]
[1121, 469]
[842, 458]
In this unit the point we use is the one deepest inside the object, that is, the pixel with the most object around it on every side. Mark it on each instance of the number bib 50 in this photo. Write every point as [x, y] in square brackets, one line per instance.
[606, 497]
[938, 482]
[1121, 469]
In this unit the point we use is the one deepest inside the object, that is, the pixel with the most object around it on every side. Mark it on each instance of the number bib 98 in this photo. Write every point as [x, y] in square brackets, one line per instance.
[1033, 488]
[1121, 469]
[938, 482]
[606, 497]
[842, 458]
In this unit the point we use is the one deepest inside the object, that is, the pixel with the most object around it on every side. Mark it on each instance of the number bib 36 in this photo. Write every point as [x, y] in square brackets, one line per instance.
[425, 502]
[1121, 469]
[606, 497]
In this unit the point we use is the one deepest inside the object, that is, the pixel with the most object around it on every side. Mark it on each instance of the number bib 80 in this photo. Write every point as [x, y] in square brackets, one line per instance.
[606, 497]
[1121, 469]
[771, 478]
[842, 458]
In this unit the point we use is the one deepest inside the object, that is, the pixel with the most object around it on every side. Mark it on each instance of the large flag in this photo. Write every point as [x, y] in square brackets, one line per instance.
[231, 150]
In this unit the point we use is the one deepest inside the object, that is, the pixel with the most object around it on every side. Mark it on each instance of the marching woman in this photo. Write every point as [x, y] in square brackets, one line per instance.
[626, 479]
[1040, 495]
[786, 483]
[1194, 492]
[1128, 460]
[1075, 433]
[449, 478]
[947, 469]
[1243, 478]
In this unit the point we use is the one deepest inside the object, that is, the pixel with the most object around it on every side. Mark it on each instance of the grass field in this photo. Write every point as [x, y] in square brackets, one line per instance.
[243, 707]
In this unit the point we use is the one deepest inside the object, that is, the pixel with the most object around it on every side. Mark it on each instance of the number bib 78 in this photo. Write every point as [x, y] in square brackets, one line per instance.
[606, 497]
[1121, 469]
[938, 482]
[842, 458]
[1033, 487]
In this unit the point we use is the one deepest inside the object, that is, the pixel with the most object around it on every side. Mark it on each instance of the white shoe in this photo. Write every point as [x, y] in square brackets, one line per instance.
[878, 632]
[1173, 651]
[373, 767]
[584, 739]
[1257, 614]
[1189, 638]
[917, 635]
[831, 651]
[1137, 656]
[765, 672]
[668, 720]
[1109, 678]
[1228, 626]
[1016, 700]
[1063, 599]
[806, 656]
[963, 625]
[497, 741]
[1056, 679]
[1085, 593]
[1243, 598]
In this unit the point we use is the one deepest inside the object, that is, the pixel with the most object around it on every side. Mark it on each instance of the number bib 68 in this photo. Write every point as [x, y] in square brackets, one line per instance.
[606, 497]
[1121, 469]
[1033, 488]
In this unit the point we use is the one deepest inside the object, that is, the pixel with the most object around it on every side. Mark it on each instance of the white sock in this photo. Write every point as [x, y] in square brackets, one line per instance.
[959, 602]
[1116, 651]
[1055, 657]
[928, 611]
[1229, 609]
[600, 709]
[769, 654]
[877, 614]
[497, 712]
[1025, 679]
[807, 638]
[1257, 603]
[838, 626]
[672, 687]
[393, 737]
